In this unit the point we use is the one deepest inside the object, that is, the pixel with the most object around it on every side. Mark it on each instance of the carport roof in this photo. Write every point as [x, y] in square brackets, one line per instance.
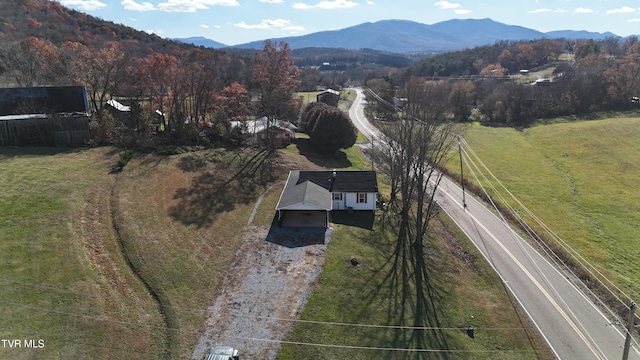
[305, 195]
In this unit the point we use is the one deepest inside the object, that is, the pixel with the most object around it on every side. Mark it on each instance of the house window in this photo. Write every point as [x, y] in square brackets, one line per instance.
[337, 196]
[362, 198]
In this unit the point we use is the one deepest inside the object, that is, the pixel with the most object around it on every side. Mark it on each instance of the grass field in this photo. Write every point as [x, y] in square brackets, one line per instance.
[123, 265]
[63, 278]
[463, 290]
[581, 179]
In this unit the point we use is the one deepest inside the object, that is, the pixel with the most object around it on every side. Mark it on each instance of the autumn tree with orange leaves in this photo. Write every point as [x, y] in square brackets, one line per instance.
[29, 61]
[277, 78]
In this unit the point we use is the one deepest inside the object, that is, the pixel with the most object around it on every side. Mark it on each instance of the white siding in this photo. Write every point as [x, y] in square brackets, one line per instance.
[351, 200]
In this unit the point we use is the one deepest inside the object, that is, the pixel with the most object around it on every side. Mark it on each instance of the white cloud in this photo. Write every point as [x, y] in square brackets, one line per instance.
[134, 6]
[634, 20]
[583, 10]
[272, 1]
[457, 8]
[266, 24]
[193, 5]
[327, 4]
[369, 2]
[86, 5]
[301, 6]
[447, 5]
[542, 10]
[545, 10]
[336, 4]
[624, 9]
[204, 26]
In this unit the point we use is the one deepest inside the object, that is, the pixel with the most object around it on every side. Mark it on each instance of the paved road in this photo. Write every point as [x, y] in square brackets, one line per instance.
[572, 325]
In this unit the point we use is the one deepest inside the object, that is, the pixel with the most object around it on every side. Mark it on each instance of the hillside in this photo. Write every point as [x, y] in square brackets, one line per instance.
[51, 21]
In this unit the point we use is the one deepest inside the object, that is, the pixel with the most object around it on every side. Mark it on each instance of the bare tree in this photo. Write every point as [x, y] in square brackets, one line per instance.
[101, 71]
[418, 144]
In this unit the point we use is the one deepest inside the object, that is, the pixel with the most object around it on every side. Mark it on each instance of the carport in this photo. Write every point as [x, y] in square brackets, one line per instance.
[303, 204]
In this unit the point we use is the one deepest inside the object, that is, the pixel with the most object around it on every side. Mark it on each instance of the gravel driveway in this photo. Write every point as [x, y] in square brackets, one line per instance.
[266, 285]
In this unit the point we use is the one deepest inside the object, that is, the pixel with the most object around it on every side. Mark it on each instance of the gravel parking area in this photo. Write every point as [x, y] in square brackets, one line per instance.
[265, 288]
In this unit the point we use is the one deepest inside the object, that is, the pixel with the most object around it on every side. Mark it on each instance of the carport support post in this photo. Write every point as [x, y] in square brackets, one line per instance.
[630, 326]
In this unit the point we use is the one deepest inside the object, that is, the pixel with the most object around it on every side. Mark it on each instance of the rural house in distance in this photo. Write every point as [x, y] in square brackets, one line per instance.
[278, 132]
[317, 193]
[329, 97]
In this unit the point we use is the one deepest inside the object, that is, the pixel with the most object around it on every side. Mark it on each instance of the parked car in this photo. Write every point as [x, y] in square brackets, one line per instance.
[222, 352]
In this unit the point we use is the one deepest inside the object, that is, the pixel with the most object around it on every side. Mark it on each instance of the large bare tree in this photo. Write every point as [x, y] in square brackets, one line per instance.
[417, 145]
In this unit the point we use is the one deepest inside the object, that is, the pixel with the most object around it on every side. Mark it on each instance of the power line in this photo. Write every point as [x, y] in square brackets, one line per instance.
[329, 323]
[577, 256]
[570, 250]
[355, 347]
[524, 251]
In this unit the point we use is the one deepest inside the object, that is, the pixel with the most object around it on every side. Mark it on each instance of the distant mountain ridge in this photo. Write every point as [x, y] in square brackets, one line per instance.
[202, 41]
[404, 36]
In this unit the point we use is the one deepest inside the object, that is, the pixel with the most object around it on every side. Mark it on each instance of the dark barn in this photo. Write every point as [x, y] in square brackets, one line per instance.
[43, 100]
[51, 116]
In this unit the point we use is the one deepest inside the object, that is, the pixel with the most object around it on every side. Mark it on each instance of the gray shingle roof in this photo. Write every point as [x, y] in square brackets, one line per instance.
[342, 181]
[314, 188]
[305, 193]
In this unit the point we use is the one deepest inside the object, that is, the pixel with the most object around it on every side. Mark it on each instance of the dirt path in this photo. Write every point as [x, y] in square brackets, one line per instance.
[267, 282]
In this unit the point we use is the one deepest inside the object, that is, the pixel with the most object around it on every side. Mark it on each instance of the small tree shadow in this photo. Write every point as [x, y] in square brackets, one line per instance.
[338, 160]
[209, 195]
[234, 181]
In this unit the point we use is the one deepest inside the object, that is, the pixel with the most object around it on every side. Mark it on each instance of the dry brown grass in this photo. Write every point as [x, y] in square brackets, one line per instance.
[134, 258]
[180, 232]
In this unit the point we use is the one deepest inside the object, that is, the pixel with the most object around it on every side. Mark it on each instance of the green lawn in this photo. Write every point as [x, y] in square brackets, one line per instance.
[581, 179]
[56, 273]
[72, 232]
[464, 291]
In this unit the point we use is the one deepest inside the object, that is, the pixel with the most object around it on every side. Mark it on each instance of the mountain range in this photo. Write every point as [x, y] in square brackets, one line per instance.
[404, 36]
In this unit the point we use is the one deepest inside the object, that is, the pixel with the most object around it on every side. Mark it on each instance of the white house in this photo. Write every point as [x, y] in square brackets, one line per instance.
[257, 128]
[326, 191]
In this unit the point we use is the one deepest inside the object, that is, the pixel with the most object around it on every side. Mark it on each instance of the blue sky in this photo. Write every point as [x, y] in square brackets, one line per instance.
[238, 21]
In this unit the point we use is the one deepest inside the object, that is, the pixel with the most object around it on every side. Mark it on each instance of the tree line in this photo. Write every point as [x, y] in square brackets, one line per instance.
[492, 83]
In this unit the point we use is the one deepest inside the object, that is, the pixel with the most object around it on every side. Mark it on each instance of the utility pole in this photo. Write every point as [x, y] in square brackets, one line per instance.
[630, 326]
[464, 203]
